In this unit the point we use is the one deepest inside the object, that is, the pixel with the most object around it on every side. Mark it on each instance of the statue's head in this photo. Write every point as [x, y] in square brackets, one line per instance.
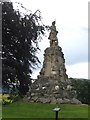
[53, 23]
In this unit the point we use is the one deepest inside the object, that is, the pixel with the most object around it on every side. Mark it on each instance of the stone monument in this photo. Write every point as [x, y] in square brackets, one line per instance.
[52, 85]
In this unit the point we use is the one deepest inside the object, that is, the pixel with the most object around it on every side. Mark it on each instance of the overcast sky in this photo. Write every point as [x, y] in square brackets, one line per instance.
[72, 24]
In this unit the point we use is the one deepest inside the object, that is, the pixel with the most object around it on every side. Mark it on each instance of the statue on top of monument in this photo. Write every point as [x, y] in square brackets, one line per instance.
[53, 35]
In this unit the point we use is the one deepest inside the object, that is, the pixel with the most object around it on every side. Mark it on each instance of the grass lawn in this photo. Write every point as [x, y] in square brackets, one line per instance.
[0, 110]
[36, 110]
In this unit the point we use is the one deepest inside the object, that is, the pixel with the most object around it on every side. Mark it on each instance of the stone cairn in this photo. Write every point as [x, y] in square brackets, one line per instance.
[52, 85]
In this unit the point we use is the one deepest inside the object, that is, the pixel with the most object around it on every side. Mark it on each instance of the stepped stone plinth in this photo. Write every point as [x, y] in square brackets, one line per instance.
[52, 85]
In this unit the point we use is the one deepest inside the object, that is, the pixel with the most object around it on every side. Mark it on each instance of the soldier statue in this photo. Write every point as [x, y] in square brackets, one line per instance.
[53, 35]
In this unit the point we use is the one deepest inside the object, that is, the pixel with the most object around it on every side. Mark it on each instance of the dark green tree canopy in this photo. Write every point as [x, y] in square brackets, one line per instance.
[20, 36]
[82, 87]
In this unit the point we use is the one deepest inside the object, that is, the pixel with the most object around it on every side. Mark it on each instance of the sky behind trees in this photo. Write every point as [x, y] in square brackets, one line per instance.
[72, 24]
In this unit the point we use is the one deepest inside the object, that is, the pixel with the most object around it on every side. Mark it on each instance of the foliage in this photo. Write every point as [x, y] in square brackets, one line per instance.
[9, 98]
[20, 34]
[82, 87]
[7, 101]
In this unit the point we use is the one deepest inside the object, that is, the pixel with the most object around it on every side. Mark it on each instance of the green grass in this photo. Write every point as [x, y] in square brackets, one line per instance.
[0, 110]
[34, 110]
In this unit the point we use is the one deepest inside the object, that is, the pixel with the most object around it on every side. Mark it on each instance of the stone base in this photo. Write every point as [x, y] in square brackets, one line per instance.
[53, 91]
[55, 101]
[53, 85]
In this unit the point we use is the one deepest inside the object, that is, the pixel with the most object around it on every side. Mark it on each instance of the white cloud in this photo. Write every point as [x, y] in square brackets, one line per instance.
[68, 13]
[35, 74]
[79, 70]
[71, 18]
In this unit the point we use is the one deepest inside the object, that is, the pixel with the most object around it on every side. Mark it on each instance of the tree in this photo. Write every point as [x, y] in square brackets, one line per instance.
[82, 87]
[20, 36]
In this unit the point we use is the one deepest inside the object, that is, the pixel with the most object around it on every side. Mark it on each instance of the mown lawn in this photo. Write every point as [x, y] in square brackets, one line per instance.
[0, 110]
[34, 110]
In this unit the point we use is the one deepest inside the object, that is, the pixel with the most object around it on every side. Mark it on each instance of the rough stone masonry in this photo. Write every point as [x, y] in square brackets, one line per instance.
[52, 85]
